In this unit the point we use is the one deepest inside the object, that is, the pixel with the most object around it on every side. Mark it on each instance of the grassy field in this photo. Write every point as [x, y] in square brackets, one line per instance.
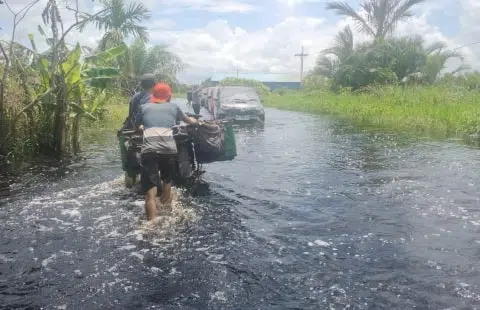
[430, 110]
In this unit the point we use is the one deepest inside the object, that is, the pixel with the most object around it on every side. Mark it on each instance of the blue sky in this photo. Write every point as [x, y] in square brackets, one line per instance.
[259, 37]
[270, 12]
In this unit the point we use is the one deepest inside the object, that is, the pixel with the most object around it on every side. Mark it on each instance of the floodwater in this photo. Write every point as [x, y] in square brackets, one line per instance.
[312, 214]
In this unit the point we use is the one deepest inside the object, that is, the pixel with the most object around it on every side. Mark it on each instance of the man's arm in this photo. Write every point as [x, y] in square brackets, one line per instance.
[182, 117]
[191, 120]
[138, 121]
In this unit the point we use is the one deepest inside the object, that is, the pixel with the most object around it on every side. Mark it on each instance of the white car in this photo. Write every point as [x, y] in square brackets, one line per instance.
[238, 103]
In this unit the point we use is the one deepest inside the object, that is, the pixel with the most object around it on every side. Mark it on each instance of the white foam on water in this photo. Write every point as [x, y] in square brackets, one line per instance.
[114, 234]
[100, 214]
[319, 243]
[464, 290]
[102, 218]
[44, 228]
[127, 247]
[5, 259]
[218, 295]
[71, 213]
[48, 260]
[168, 219]
[137, 255]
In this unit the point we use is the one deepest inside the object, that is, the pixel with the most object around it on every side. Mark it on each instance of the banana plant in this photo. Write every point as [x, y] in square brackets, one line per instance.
[90, 78]
[74, 80]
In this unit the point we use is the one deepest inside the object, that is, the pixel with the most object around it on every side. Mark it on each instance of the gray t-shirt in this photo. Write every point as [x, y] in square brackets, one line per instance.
[157, 120]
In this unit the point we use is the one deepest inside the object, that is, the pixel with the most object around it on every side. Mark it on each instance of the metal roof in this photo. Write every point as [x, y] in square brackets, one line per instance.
[262, 77]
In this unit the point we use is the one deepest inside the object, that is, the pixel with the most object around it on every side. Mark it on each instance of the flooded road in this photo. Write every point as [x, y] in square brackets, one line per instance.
[312, 214]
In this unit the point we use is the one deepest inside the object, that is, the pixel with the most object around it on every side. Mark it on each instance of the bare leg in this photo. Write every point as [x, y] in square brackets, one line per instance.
[166, 190]
[150, 203]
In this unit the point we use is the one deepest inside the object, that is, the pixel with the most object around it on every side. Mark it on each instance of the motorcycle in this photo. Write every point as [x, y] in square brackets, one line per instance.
[188, 166]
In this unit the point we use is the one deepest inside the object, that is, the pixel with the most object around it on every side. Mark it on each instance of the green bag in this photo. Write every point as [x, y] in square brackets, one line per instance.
[230, 143]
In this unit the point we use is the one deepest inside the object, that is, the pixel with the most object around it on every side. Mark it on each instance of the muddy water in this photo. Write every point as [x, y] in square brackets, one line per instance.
[312, 214]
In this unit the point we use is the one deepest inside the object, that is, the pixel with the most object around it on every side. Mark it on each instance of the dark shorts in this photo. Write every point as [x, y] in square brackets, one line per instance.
[152, 164]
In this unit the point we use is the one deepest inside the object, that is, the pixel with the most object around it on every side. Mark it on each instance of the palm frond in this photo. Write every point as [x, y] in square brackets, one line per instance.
[343, 8]
[136, 12]
[437, 46]
[399, 12]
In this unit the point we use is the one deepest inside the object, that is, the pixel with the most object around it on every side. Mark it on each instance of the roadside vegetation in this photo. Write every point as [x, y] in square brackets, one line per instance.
[431, 110]
[394, 82]
[50, 96]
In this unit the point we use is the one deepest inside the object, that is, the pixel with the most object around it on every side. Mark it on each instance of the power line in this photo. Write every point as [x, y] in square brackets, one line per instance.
[466, 45]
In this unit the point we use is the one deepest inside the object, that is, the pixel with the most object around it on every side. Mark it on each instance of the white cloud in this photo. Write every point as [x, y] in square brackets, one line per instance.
[221, 47]
[470, 31]
[162, 24]
[216, 6]
[297, 2]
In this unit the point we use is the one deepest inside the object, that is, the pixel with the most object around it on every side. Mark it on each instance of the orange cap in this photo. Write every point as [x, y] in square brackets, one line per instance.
[161, 93]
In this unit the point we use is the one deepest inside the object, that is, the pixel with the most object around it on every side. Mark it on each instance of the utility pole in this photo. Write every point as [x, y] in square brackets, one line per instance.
[301, 55]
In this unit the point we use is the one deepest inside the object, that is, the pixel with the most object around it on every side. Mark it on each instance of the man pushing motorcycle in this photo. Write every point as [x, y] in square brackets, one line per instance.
[159, 149]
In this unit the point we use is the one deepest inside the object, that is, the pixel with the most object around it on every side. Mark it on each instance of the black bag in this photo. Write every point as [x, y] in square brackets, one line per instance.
[209, 139]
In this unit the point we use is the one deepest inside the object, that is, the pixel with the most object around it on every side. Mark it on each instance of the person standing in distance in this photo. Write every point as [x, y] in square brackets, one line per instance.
[159, 149]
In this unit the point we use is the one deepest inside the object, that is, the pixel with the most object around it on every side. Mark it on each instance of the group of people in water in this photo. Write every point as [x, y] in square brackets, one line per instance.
[152, 112]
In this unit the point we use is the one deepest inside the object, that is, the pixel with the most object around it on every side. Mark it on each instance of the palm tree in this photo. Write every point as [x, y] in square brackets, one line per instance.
[326, 66]
[163, 63]
[407, 55]
[329, 59]
[157, 60]
[380, 16]
[120, 21]
[437, 58]
[343, 44]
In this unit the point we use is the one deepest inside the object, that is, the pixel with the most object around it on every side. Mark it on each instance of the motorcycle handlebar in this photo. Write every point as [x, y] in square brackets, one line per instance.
[196, 116]
[136, 131]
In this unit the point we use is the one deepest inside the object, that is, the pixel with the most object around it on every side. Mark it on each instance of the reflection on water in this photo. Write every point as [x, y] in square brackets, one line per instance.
[312, 214]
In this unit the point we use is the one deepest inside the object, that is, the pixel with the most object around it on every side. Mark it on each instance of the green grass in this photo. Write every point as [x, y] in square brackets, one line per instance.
[431, 110]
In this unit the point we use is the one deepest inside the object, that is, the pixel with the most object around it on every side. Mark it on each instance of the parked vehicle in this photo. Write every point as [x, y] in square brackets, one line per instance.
[210, 142]
[240, 104]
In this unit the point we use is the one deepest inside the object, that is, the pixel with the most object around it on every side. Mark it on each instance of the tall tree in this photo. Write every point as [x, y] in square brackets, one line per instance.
[157, 60]
[377, 18]
[120, 21]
